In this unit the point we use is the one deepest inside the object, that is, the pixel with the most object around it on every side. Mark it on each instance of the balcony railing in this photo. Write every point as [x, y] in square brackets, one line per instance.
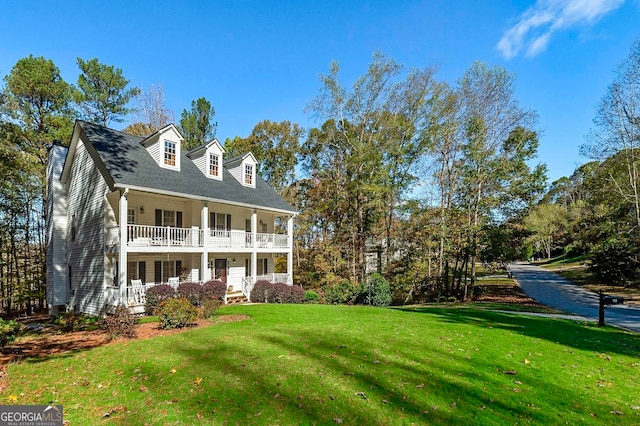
[147, 236]
[166, 236]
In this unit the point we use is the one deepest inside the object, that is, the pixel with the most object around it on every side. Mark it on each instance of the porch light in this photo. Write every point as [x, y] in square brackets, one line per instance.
[141, 209]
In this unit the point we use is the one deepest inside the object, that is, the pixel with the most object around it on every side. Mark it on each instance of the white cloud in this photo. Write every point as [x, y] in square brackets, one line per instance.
[534, 28]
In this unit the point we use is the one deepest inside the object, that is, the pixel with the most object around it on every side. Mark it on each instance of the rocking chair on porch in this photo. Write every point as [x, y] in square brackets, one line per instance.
[137, 292]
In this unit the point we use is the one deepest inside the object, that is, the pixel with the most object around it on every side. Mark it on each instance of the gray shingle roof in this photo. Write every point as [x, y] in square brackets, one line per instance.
[129, 164]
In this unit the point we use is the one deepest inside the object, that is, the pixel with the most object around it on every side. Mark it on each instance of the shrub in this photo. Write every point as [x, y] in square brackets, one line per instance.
[298, 294]
[260, 291]
[209, 307]
[214, 289]
[70, 321]
[156, 295]
[280, 293]
[376, 292]
[121, 323]
[8, 331]
[343, 292]
[479, 291]
[310, 296]
[190, 291]
[610, 261]
[176, 313]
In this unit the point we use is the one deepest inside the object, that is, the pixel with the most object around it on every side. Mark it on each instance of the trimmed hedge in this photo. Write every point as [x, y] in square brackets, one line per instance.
[214, 289]
[264, 291]
[261, 291]
[156, 295]
[190, 291]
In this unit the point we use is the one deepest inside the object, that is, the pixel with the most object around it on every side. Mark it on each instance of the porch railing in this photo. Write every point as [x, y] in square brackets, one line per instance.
[166, 236]
[272, 240]
[145, 236]
[228, 239]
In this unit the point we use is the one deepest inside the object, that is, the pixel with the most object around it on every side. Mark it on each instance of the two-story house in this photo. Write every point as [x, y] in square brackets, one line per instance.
[125, 213]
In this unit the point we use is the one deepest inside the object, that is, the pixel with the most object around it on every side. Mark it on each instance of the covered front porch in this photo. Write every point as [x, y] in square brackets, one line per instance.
[146, 270]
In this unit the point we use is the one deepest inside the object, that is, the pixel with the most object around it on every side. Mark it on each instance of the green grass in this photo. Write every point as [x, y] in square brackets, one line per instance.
[318, 364]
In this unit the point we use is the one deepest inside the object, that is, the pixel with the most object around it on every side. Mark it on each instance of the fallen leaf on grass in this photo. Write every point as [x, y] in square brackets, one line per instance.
[526, 362]
[338, 421]
[616, 412]
[362, 394]
[421, 385]
[197, 381]
[143, 388]
[511, 372]
[172, 371]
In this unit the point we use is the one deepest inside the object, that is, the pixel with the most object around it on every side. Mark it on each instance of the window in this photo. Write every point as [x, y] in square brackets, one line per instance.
[220, 221]
[165, 269]
[132, 272]
[214, 162]
[168, 218]
[265, 263]
[248, 174]
[169, 153]
[131, 216]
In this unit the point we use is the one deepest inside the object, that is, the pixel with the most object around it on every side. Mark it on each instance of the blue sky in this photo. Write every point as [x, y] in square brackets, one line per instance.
[257, 60]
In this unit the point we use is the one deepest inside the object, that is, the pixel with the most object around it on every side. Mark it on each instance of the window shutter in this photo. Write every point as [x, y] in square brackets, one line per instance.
[178, 267]
[142, 272]
[158, 217]
[212, 220]
[228, 222]
[178, 219]
[158, 272]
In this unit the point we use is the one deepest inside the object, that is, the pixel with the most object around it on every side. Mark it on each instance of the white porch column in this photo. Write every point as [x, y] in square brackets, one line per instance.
[205, 273]
[290, 252]
[254, 240]
[122, 247]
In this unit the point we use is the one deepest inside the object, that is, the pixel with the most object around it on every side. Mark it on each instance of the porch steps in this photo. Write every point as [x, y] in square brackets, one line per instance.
[236, 297]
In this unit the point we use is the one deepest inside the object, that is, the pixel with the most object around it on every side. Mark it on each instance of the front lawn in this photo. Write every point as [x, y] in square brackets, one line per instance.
[318, 364]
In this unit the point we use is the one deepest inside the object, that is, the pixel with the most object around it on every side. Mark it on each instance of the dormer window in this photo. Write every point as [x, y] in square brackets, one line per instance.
[169, 153]
[248, 174]
[214, 165]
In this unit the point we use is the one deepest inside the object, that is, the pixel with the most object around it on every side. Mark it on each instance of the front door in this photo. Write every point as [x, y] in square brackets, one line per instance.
[220, 272]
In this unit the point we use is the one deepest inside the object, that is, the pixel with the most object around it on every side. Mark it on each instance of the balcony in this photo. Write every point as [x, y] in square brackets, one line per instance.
[141, 236]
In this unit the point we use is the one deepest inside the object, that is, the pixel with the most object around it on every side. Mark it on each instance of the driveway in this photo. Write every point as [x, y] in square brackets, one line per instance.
[552, 290]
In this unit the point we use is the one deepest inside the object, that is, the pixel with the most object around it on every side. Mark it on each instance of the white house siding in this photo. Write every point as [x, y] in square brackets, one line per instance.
[237, 172]
[56, 227]
[156, 150]
[86, 213]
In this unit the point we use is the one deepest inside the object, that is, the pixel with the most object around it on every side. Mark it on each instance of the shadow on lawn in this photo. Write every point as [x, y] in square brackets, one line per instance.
[576, 334]
[319, 378]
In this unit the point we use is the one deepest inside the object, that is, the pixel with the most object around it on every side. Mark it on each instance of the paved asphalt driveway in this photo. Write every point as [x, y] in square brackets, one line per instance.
[552, 290]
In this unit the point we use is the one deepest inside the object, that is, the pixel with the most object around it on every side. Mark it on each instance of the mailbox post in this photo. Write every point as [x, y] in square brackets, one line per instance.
[604, 301]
